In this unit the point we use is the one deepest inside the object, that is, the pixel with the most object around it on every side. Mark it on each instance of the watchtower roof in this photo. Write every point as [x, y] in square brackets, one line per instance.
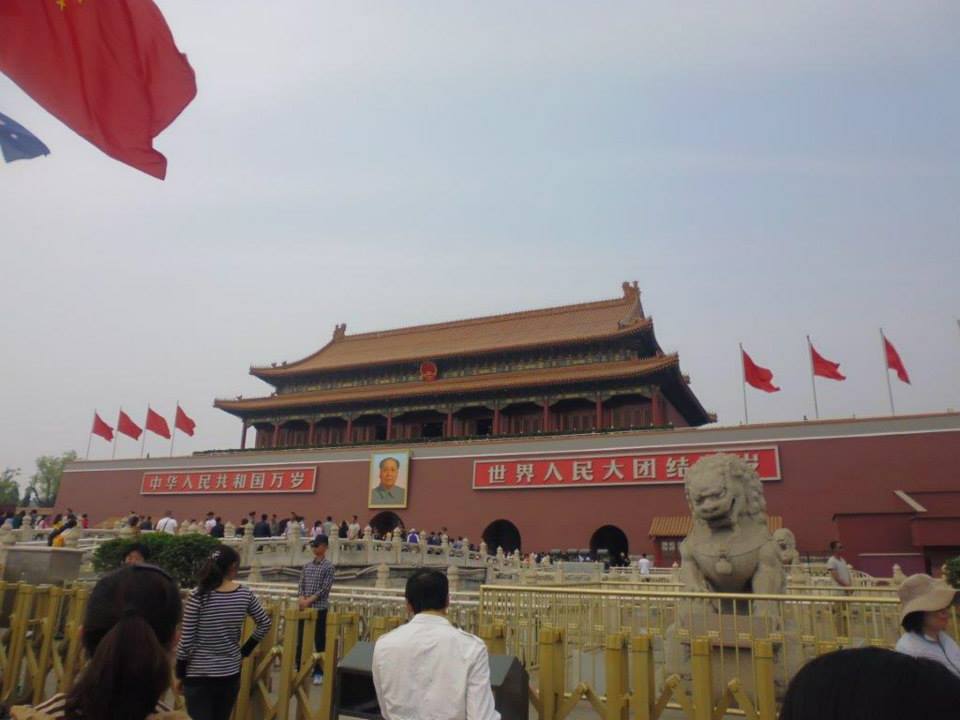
[495, 333]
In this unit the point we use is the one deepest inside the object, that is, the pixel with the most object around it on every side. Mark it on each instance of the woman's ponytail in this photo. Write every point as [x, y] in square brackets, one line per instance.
[215, 569]
[128, 632]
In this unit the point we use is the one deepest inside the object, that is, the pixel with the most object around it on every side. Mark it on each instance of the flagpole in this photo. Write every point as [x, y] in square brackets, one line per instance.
[116, 437]
[143, 443]
[173, 433]
[813, 379]
[886, 370]
[90, 436]
[743, 384]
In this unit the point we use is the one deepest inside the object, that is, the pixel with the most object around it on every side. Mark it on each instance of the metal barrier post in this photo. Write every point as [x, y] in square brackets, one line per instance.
[702, 679]
[492, 635]
[329, 662]
[73, 631]
[19, 618]
[48, 629]
[766, 695]
[616, 662]
[288, 661]
[551, 685]
[242, 707]
[644, 688]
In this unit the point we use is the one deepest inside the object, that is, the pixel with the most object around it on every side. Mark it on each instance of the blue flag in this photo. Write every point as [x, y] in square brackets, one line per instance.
[18, 143]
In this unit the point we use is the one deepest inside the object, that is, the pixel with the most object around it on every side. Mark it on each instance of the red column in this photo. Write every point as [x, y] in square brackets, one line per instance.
[276, 434]
[389, 426]
[657, 402]
[310, 433]
[496, 422]
[546, 416]
[243, 436]
[349, 437]
[599, 425]
[450, 423]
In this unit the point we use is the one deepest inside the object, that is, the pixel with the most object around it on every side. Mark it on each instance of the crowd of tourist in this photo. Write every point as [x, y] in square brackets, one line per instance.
[142, 640]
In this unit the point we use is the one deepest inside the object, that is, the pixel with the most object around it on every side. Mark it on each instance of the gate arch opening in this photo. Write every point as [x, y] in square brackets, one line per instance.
[501, 533]
[383, 523]
[613, 540]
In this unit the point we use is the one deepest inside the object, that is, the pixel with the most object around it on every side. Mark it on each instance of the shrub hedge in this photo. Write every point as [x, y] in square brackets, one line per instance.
[180, 555]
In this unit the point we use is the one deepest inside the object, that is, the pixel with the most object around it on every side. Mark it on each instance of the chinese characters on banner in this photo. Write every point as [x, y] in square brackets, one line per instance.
[626, 469]
[230, 481]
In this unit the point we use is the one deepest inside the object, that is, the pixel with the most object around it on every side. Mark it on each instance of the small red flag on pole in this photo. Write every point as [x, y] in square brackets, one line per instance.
[184, 423]
[157, 424]
[757, 376]
[128, 427]
[101, 428]
[823, 367]
[894, 362]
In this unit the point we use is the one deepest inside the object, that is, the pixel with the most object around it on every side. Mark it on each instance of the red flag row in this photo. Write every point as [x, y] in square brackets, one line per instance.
[762, 378]
[155, 423]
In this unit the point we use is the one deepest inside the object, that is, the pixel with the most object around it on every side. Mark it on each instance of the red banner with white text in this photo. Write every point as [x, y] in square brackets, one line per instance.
[635, 468]
[230, 481]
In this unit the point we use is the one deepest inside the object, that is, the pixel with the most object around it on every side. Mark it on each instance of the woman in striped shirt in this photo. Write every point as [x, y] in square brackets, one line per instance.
[209, 654]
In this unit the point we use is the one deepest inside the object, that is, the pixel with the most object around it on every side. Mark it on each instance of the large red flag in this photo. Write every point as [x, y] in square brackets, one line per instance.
[756, 376]
[157, 424]
[101, 428]
[183, 422]
[108, 69]
[894, 362]
[128, 427]
[825, 368]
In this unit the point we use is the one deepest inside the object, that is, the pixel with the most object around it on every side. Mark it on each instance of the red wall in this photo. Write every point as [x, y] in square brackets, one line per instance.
[821, 477]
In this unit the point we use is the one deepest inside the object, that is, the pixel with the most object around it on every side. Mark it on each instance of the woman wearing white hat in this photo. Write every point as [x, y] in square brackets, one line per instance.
[925, 614]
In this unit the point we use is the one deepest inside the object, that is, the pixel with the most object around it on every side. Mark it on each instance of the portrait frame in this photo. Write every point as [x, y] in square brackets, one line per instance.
[375, 491]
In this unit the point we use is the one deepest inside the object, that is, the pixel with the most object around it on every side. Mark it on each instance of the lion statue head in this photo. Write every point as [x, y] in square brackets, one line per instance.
[724, 491]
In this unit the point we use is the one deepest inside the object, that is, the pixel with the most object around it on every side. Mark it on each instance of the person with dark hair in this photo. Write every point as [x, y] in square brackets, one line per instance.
[146, 523]
[210, 653]
[343, 530]
[871, 684]
[262, 528]
[218, 528]
[136, 554]
[129, 630]
[925, 615]
[428, 668]
[313, 591]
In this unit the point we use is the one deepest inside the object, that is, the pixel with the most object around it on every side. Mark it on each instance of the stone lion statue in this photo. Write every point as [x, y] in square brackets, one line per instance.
[730, 548]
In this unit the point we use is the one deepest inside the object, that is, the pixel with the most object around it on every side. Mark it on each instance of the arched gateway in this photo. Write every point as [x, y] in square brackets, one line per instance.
[502, 533]
[609, 538]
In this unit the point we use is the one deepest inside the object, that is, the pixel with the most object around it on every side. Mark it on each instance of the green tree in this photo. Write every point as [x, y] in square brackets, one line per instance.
[45, 482]
[9, 489]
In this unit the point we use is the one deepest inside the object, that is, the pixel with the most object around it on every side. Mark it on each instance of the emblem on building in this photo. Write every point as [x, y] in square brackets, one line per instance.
[428, 371]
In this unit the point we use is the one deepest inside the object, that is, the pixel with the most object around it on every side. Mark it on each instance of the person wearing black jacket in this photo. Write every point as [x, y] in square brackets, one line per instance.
[262, 528]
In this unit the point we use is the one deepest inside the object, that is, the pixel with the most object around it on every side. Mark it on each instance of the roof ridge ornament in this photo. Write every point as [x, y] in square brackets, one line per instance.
[339, 331]
[631, 291]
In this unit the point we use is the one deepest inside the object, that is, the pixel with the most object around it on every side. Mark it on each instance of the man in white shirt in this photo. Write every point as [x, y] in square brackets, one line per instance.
[428, 668]
[644, 564]
[353, 529]
[839, 570]
[167, 524]
[210, 522]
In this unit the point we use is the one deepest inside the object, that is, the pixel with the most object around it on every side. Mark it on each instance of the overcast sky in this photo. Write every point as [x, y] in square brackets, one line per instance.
[762, 173]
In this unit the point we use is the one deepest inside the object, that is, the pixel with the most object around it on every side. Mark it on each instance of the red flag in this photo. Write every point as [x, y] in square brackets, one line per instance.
[101, 428]
[156, 424]
[128, 427]
[825, 368]
[108, 70]
[756, 376]
[894, 362]
[184, 423]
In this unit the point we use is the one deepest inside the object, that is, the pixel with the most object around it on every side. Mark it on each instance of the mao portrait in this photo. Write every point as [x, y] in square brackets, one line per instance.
[389, 474]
